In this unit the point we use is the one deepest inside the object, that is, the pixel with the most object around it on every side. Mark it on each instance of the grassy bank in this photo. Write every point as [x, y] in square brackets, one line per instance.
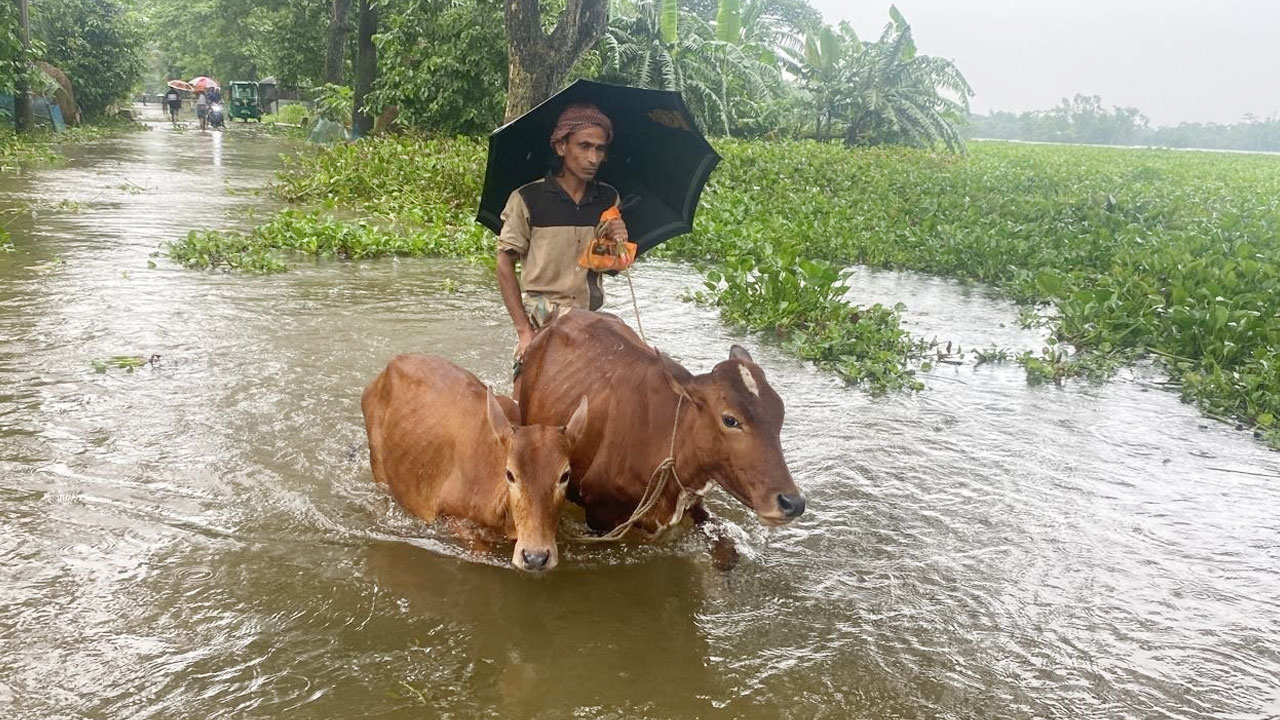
[1165, 254]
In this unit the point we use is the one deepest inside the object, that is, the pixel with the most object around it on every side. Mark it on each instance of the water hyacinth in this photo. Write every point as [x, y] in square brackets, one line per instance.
[1163, 254]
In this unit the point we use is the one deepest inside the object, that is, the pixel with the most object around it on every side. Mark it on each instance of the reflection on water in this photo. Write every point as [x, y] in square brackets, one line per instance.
[202, 538]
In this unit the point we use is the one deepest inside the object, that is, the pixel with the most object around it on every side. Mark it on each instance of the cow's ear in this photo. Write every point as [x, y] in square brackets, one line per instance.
[578, 423]
[737, 352]
[677, 376]
[497, 418]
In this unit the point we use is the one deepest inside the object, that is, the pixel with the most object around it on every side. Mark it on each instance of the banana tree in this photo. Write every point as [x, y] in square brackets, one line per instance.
[894, 95]
[821, 65]
[655, 44]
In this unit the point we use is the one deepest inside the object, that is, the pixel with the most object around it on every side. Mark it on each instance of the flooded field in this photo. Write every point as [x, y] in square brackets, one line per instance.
[200, 536]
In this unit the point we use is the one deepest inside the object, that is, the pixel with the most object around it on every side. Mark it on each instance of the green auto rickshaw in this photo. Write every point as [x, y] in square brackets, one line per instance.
[244, 100]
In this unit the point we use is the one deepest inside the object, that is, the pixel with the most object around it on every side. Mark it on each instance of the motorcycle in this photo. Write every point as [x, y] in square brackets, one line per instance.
[216, 117]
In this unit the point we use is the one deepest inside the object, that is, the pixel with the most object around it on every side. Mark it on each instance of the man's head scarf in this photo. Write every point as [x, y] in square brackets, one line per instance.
[580, 116]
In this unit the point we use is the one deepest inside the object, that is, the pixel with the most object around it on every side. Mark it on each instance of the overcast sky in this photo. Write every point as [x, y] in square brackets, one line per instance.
[1175, 60]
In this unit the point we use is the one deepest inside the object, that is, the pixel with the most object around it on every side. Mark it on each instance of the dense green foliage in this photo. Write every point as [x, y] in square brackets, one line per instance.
[735, 72]
[16, 150]
[443, 64]
[416, 195]
[10, 47]
[1083, 119]
[741, 64]
[1161, 252]
[97, 43]
[318, 235]
[892, 94]
[727, 72]
[236, 39]
[414, 181]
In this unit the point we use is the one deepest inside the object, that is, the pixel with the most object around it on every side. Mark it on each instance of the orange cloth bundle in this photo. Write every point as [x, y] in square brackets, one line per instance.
[604, 254]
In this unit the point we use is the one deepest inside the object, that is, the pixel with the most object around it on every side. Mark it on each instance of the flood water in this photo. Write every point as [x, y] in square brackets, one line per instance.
[201, 537]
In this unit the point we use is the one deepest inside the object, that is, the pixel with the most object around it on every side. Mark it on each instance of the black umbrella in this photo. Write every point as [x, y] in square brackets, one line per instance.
[658, 159]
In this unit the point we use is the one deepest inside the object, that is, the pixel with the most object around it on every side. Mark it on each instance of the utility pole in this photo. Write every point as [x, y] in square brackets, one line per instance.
[22, 112]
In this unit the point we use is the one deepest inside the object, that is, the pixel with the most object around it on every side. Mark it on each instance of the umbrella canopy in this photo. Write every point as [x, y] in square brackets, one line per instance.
[180, 85]
[658, 159]
[202, 83]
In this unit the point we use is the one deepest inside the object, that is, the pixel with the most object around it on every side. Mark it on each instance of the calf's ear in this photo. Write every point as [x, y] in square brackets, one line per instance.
[737, 352]
[577, 423]
[497, 418]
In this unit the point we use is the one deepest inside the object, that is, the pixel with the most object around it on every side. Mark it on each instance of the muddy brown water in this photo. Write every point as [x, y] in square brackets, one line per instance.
[202, 538]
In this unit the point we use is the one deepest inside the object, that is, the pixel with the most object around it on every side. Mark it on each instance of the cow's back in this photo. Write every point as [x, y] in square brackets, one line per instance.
[428, 431]
[582, 353]
[632, 407]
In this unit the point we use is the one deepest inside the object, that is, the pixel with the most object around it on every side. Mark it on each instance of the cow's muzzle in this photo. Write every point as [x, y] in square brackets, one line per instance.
[791, 505]
[535, 560]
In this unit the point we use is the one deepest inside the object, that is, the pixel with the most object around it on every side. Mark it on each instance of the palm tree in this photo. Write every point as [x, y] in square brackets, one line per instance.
[897, 96]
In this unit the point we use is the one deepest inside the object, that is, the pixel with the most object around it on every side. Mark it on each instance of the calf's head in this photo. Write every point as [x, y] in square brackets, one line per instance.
[737, 420]
[537, 475]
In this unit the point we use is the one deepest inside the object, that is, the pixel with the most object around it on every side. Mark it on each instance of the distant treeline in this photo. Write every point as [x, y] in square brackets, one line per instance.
[1084, 120]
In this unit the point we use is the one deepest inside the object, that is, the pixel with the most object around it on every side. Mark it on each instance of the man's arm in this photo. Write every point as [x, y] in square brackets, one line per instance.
[509, 284]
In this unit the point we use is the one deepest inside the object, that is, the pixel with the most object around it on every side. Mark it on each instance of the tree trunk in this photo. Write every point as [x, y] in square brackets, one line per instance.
[335, 53]
[537, 63]
[855, 129]
[366, 67]
[22, 111]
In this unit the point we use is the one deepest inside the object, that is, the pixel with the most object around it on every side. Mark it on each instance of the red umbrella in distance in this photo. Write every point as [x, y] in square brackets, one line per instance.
[203, 83]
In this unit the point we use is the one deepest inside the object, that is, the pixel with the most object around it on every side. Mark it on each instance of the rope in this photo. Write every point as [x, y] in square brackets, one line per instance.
[636, 307]
[658, 479]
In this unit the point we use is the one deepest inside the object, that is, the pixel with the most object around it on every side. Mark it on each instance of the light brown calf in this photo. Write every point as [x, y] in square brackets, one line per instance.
[445, 445]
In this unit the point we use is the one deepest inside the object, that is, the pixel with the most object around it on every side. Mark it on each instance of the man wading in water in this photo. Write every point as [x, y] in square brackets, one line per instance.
[547, 224]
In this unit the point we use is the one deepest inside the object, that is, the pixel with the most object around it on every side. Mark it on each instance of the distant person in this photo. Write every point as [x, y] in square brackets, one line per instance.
[215, 95]
[173, 101]
[202, 108]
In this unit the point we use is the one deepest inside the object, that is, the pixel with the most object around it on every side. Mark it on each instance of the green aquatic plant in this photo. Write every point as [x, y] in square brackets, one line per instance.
[800, 303]
[128, 363]
[319, 235]
[1169, 255]
[992, 355]
[1141, 252]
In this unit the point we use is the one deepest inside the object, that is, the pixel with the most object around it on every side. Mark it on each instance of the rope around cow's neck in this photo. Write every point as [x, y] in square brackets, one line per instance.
[666, 471]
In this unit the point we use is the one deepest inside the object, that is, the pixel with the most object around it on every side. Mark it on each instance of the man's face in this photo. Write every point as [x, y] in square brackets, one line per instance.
[583, 152]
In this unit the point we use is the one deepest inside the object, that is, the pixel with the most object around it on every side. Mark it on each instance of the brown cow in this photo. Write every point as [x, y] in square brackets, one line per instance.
[445, 445]
[727, 427]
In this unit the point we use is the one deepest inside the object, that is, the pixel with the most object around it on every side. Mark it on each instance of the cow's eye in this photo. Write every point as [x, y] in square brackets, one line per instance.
[511, 477]
[564, 477]
[731, 421]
